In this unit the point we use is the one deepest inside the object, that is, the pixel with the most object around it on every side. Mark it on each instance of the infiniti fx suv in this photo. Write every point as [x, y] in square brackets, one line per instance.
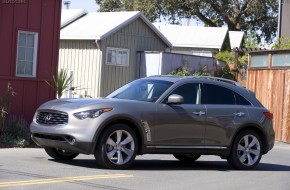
[184, 116]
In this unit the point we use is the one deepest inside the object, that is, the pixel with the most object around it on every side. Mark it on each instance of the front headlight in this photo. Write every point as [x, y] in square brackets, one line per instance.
[91, 113]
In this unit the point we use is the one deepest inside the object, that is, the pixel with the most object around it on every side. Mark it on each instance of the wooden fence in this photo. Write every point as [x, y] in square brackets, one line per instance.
[272, 88]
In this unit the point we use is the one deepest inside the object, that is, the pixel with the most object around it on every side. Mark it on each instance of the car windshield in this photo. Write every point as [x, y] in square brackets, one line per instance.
[142, 90]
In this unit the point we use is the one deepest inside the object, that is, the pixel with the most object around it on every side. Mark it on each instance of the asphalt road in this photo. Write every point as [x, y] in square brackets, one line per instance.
[33, 169]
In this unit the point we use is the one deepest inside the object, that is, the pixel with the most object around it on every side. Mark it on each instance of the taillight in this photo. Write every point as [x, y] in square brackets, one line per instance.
[268, 115]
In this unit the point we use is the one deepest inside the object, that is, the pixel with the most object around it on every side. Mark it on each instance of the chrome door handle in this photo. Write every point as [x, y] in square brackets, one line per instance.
[198, 113]
[239, 114]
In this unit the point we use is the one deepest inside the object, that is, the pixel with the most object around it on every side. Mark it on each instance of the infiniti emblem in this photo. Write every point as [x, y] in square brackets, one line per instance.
[48, 117]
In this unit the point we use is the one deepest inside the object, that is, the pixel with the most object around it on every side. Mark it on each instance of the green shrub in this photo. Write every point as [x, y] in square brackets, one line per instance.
[16, 132]
[5, 103]
[60, 82]
[187, 71]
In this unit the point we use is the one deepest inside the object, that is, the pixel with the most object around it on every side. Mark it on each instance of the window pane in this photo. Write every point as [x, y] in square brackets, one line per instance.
[28, 68]
[122, 58]
[241, 100]
[29, 54]
[217, 95]
[22, 39]
[111, 56]
[281, 60]
[30, 40]
[21, 53]
[20, 67]
[259, 61]
[188, 92]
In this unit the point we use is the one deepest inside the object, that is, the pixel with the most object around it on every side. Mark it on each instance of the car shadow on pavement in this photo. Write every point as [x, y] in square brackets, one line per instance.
[175, 165]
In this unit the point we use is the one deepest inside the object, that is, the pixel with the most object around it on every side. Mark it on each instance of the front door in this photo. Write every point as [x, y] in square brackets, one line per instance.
[182, 124]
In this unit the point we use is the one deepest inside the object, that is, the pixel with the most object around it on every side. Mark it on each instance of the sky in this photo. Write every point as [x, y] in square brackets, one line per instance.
[89, 5]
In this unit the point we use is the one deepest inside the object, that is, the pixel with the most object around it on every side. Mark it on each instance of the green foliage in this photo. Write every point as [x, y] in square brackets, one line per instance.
[225, 72]
[251, 40]
[282, 43]
[60, 82]
[238, 15]
[226, 56]
[183, 71]
[187, 71]
[229, 58]
[5, 103]
[202, 72]
[16, 133]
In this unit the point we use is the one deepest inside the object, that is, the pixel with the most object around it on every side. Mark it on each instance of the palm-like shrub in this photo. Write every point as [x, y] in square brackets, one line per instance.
[60, 82]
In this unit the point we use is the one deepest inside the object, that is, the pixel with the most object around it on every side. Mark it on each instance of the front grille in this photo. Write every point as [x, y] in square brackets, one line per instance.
[52, 118]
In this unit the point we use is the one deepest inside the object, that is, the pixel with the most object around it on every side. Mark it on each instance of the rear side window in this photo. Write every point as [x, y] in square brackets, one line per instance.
[241, 100]
[213, 94]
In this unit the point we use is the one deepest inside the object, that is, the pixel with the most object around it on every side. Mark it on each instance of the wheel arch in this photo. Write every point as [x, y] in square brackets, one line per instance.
[258, 130]
[121, 120]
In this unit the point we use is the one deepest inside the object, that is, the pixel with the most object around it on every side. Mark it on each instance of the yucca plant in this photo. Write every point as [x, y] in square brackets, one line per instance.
[60, 82]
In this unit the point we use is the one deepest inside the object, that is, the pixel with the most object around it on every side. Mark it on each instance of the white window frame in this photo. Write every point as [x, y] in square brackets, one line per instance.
[116, 60]
[34, 58]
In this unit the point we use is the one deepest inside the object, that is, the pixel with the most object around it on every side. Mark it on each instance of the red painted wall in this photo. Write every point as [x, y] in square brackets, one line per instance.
[42, 16]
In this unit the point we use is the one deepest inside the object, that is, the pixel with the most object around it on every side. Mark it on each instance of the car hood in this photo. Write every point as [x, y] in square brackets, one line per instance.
[72, 103]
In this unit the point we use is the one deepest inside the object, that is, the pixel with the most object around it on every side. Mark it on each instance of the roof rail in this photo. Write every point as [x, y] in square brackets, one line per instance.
[219, 79]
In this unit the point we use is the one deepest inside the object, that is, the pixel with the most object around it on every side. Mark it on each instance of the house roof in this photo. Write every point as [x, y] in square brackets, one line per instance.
[236, 38]
[100, 25]
[70, 15]
[193, 36]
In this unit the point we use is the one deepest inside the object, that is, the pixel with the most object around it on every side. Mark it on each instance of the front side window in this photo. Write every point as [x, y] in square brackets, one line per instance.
[117, 56]
[190, 93]
[26, 54]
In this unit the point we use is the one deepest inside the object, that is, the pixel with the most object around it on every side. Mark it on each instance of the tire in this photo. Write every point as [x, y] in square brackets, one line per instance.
[117, 147]
[186, 158]
[60, 154]
[246, 151]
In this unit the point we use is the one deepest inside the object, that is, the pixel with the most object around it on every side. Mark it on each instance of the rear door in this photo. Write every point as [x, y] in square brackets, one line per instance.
[224, 114]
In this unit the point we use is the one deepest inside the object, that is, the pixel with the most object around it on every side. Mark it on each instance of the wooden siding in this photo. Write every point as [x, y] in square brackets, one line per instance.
[136, 36]
[272, 88]
[42, 16]
[83, 57]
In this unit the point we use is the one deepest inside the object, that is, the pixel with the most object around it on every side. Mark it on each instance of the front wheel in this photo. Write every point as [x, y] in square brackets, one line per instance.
[246, 151]
[60, 154]
[186, 158]
[117, 147]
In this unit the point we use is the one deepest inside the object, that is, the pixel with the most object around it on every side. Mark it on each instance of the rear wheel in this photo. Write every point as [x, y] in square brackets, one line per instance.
[186, 158]
[60, 154]
[246, 151]
[117, 147]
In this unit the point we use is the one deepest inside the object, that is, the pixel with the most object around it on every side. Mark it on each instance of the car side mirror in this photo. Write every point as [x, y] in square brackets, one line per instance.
[175, 99]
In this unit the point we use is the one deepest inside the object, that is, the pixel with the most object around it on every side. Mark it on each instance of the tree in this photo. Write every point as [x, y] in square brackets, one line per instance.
[239, 15]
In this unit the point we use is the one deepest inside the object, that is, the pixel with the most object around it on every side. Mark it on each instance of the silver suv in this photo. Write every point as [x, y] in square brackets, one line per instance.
[184, 116]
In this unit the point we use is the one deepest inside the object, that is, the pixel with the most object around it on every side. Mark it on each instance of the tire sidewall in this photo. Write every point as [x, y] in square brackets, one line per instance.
[234, 159]
[100, 152]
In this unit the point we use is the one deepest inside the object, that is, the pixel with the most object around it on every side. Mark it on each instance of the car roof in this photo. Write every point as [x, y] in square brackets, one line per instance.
[174, 79]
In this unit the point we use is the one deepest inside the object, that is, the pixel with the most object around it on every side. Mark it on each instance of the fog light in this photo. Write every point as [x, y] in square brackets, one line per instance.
[70, 140]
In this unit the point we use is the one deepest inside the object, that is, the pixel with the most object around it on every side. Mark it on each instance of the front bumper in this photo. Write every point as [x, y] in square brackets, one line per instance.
[76, 136]
[68, 143]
